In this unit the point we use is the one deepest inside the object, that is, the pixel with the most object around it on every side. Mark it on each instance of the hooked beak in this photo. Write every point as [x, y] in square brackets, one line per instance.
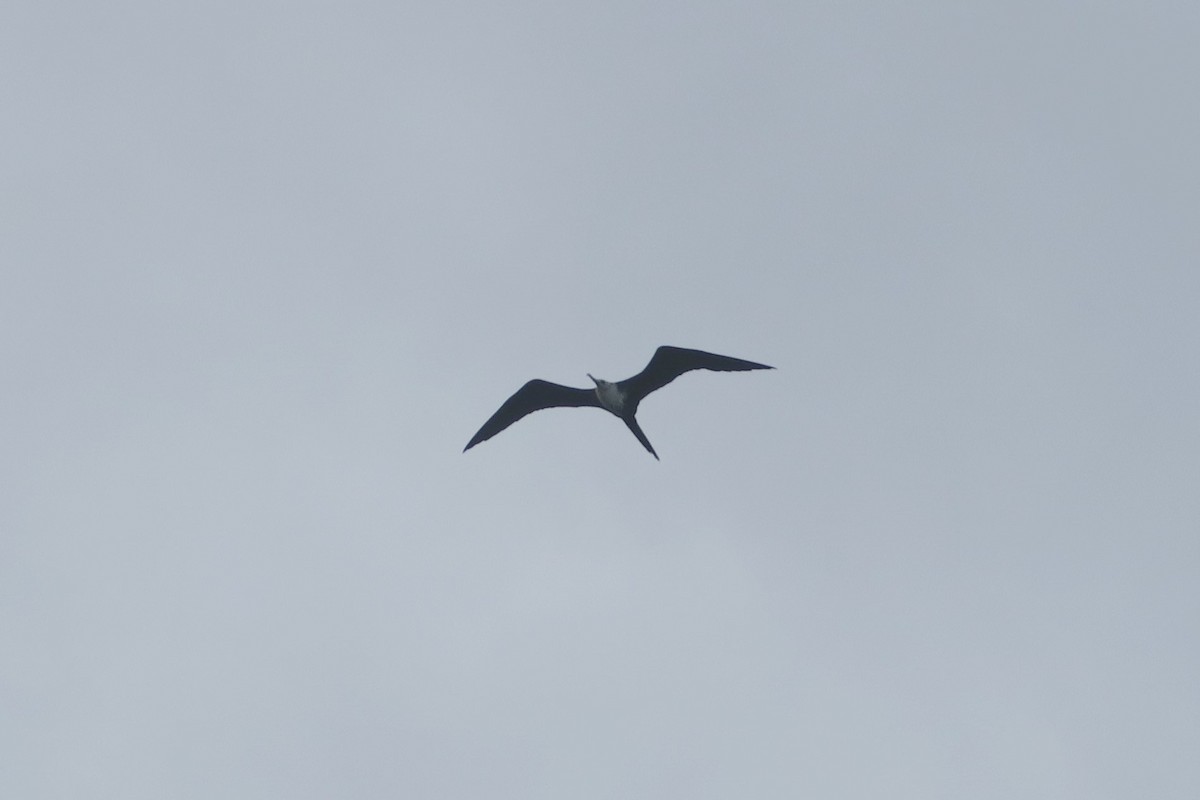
[593, 379]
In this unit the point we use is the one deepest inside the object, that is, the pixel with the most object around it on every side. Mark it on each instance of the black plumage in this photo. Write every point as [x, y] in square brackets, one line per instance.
[620, 398]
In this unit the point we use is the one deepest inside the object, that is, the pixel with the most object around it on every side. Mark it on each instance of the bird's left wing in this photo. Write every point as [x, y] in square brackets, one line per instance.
[533, 396]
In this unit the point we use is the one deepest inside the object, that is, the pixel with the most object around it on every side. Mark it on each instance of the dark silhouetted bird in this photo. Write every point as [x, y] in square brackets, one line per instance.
[621, 398]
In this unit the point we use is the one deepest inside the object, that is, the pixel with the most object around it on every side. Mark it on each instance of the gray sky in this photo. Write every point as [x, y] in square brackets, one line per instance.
[267, 267]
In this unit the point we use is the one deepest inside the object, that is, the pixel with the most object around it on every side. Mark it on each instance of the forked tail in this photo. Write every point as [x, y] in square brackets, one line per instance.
[641, 437]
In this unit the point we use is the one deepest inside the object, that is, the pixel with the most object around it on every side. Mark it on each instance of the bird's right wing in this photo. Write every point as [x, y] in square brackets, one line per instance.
[533, 396]
[668, 363]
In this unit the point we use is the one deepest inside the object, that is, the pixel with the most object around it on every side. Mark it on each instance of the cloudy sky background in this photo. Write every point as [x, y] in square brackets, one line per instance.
[265, 267]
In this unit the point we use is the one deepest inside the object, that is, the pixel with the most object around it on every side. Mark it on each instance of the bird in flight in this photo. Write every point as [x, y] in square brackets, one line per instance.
[620, 398]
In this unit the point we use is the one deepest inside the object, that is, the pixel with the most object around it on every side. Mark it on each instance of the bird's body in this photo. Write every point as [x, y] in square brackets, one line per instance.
[621, 398]
[610, 396]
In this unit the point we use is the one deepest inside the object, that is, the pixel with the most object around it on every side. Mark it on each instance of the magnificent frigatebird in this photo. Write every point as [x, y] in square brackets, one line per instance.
[621, 398]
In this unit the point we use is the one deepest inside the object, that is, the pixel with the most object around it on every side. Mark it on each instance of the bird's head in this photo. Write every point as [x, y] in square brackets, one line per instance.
[599, 381]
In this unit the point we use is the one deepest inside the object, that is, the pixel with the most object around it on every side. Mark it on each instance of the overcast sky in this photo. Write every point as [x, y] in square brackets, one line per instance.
[265, 267]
